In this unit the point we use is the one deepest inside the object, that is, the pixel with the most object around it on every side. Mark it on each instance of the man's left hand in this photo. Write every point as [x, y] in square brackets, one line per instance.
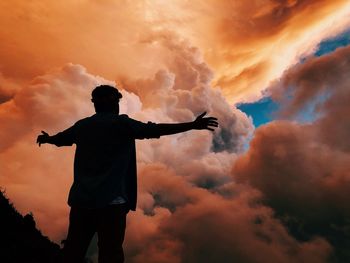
[43, 138]
[208, 123]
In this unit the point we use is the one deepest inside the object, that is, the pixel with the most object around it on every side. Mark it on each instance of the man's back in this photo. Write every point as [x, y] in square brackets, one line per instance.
[105, 161]
[105, 158]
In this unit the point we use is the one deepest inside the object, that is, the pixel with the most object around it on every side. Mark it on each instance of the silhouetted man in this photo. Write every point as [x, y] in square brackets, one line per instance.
[104, 187]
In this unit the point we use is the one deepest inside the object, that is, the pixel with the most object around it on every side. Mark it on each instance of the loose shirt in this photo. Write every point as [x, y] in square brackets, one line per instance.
[105, 158]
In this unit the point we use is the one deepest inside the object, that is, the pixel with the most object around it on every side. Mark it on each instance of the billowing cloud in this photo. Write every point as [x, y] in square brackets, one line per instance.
[321, 84]
[248, 44]
[196, 225]
[172, 61]
[194, 187]
[303, 169]
[57, 99]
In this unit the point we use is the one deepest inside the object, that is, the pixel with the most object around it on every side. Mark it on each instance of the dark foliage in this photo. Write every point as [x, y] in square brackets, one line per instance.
[20, 240]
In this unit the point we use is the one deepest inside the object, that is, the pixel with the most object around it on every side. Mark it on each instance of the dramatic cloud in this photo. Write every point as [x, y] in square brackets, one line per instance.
[194, 186]
[56, 100]
[248, 44]
[303, 169]
[210, 227]
[287, 198]
[104, 36]
[322, 85]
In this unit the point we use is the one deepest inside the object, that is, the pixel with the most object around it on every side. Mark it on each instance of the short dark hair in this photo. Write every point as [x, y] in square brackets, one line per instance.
[105, 91]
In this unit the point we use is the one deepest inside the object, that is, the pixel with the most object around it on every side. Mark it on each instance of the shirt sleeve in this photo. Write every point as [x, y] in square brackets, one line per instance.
[64, 138]
[141, 130]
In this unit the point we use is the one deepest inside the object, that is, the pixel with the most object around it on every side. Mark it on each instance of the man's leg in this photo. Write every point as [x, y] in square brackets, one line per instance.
[111, 231]
[82, 226]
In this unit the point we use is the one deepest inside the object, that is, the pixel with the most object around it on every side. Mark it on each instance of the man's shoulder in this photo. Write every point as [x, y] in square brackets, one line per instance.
[122, 119]
[86, 119]
[123, 116]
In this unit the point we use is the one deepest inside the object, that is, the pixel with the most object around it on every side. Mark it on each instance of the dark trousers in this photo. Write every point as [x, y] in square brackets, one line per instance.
[109, 223]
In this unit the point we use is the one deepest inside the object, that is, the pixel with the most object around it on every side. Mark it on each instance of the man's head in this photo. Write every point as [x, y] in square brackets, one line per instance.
[106, 99]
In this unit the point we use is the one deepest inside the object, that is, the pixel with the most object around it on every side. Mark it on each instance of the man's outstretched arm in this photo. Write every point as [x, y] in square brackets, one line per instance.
[200, 123]
[64, 138]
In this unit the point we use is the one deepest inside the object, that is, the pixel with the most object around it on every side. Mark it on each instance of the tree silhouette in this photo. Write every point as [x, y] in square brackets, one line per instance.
[20, 240]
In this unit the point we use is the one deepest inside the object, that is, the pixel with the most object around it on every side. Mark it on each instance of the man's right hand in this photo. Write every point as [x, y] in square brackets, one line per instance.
[208, 123]
[43, 138]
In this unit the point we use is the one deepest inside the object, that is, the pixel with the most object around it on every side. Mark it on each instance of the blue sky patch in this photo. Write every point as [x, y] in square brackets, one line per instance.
[263, 110]
[332, 44]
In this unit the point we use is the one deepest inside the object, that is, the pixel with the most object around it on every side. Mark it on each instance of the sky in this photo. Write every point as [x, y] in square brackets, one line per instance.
[271, 182]
[264, 110]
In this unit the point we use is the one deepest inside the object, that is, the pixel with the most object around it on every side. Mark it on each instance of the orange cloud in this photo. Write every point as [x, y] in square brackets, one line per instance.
[34, 182]
[249, 44]
[246, 44]
[101, 35]
[166, 56]
[57, 99]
